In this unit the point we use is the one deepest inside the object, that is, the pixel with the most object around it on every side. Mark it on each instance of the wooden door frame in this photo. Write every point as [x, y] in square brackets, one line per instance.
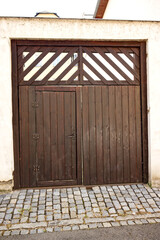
[15, 99]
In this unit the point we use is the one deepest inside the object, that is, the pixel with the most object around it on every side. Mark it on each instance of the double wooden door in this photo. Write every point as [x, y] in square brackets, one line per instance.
[80, 135]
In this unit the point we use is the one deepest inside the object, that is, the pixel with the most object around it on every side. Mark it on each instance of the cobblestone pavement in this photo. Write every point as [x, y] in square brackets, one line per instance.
[62, 209]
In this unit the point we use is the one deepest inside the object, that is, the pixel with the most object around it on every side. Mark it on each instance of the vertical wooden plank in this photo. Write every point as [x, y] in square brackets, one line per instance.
[68, 132]
[92, 135]
[79, 134]
[138, 133]
[73, 132]
[106, 137]
[144, 111]
[54, 136]
[120, 166]
[32, 142]
[40, 131]
[47, 131]
[86, 162]
[60, 142]
[125, 129]
[24, 138]
[132, 134]
[15, 120]
[113, 135]
[98, 103]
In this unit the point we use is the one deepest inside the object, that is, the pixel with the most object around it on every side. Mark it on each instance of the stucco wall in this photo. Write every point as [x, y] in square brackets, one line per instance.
[35, 28]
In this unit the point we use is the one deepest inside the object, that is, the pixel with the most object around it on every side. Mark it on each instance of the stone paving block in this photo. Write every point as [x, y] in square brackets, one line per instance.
[115, 224]
[106, 224]
[15, 232]
[66, 228]
[41, 230]
[123, 223]
[57, 229]
[7, 233]
[151, 220]
[49, 229]
[75, 227]
[144, 221]
[83, 226]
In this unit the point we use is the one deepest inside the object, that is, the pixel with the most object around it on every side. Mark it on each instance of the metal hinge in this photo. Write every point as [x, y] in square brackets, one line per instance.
[35, 104]
[35, 136]
[36, 168]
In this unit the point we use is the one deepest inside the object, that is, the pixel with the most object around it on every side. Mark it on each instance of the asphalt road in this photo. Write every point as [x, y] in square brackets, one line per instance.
[138, 232]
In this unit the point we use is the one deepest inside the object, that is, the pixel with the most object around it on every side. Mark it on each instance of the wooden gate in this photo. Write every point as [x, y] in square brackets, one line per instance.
[80, 113]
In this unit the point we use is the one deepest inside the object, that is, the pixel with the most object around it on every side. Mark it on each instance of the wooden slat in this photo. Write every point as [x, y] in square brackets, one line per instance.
[89, 78]
[68, 132]
[55, 88]
[72, 78]
[106, 134]
[113, 134]
[47, 131]
[28, 56]
[138, 134]
[132, 59]
[32, 142]
[132, 134]
[125, 132]
[24, 138]
[119, 117]
[86, 162]
[92, 135]
[60, 142]
[54, 136]
[40, 131]
[79, 134]
[15, 119]
[74, 133]
[20, 50]
[144, 111]
[98, 104]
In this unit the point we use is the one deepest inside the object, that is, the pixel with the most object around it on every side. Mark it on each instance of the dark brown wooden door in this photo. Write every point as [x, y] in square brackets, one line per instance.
[80, 113]
[111, 134]
[57, 145]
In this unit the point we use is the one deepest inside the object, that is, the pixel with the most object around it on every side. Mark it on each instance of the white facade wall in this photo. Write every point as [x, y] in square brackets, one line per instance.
[133, 10]
[33, 28]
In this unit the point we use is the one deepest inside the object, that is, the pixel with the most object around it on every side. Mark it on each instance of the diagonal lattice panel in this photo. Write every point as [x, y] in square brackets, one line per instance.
[48, 65]
[82, 65]
[115, 66]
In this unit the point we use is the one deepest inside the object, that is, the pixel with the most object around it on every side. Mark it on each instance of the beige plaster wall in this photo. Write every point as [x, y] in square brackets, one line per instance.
[34, 28]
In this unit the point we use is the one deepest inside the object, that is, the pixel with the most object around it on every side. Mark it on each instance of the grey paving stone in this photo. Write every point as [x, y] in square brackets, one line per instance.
[24, 232]
[15, 232]
[115, 224]
[75, 227]
[93, 225]
[49, 229]
[106, 224]
[57, 229]
[83, 226]
[66, 228]
[7, 233]
[2, 215]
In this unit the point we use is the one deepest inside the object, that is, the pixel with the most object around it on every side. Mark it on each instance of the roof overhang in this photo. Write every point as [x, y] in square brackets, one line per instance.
[100, 8]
